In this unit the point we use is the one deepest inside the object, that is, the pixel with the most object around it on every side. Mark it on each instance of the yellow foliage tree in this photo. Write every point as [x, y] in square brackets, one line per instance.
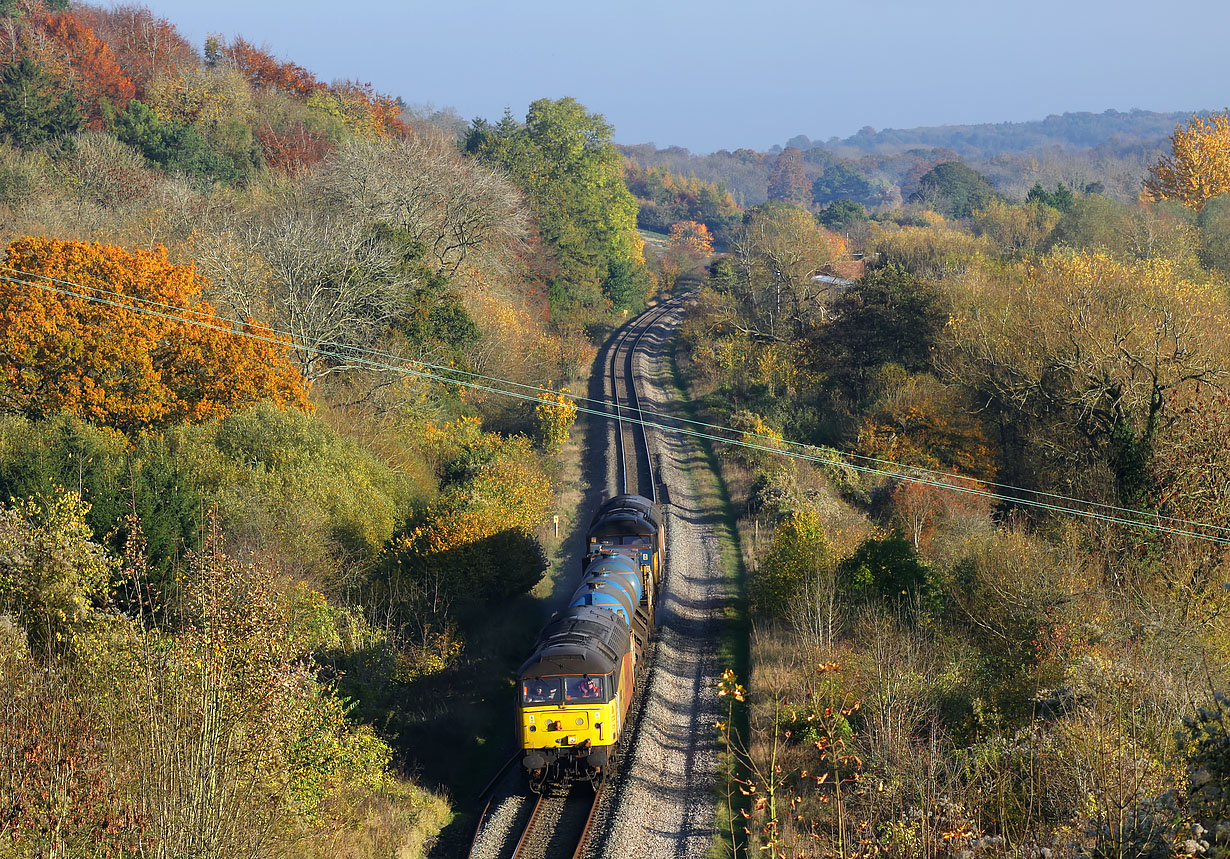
[475, 541]
[1198, 166]
[556, 413]
[1088, 351]
[73, 340]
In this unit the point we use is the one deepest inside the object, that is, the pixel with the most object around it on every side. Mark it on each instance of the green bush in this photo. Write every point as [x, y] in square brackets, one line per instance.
[888, 568]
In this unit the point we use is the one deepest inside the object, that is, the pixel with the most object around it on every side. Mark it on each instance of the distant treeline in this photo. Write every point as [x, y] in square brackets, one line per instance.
[882, 168]
[1069, 130]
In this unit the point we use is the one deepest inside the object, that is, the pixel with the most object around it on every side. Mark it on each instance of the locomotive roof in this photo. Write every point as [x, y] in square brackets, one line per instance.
[579, 640]
[630, 514]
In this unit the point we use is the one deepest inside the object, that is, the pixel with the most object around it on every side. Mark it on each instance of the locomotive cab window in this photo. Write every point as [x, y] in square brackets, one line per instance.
[540, 690]
[587, 689]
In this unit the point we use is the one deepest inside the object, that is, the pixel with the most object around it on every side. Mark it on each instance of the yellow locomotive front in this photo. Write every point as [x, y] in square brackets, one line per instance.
[577, 714]
[573, 696]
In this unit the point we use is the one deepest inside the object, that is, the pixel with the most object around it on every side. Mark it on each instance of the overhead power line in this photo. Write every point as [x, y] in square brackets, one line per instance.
[375, 359]
[1010, 492]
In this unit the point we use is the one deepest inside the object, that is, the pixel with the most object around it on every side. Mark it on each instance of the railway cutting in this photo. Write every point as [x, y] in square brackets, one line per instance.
[650, 793]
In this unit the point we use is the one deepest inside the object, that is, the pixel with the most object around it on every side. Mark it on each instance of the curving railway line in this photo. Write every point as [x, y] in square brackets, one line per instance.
[634, 460]
[515, 824]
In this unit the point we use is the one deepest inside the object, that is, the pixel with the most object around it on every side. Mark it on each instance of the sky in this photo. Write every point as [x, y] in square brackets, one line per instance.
[723, 74]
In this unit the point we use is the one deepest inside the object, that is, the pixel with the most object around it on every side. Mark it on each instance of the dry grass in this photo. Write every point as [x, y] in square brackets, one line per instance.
[400, 822]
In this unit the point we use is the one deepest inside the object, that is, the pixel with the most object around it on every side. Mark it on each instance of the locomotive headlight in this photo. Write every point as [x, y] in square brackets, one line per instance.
[533, 728]
[570, 741]
[580, 720]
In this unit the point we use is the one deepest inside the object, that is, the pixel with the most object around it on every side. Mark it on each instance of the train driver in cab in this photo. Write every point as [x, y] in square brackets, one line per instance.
[583, 689]
[541, 691]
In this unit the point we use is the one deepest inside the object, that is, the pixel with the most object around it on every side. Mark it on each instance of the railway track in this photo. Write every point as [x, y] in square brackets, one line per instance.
[559, 825]
[514, 823]
[635, 472]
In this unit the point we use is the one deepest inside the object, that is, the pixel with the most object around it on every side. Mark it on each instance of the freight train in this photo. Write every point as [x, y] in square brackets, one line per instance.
[575, 689]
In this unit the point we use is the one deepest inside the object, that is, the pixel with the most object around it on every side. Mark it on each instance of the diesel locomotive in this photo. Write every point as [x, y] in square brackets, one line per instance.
[575, 689]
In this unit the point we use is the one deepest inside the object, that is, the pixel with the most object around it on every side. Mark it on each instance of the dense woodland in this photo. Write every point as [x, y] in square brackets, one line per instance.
[250, 523]
[257, 499]
[940, 665]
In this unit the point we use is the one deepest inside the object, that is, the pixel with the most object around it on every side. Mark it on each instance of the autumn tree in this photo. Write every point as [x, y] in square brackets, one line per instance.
[692, 237]
[1083, 355]
[261, 69]
[475, 543]
[788, 181]
[920, 504]
[108, 173]
[1161, 230]
[360, 108]
[71, 50]
[231, 740]
[144, 45]
[1190, 464]
[916, 420]
[799, 555]
[1017, 230]
[52, 573]
[556, 412]
[75, 341]
[667, 199]
[778, 254]
[1198, 166]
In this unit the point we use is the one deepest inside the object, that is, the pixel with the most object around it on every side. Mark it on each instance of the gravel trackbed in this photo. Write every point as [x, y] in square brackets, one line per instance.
[664, 802]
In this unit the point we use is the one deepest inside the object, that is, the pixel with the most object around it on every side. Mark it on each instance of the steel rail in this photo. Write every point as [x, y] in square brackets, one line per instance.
[488, 792]
[529, 826]
[589, 821]
[625, 348]
[533, 843]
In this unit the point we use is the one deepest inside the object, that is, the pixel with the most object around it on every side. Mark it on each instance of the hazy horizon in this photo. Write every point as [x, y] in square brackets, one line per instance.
[723, 76]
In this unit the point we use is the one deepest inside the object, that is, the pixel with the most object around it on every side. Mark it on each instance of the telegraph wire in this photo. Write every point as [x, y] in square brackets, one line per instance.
[1010, 492]
[1147, 521]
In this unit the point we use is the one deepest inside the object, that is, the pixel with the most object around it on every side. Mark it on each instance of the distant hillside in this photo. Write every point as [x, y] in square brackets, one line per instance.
[1068, 131]
[880, 169]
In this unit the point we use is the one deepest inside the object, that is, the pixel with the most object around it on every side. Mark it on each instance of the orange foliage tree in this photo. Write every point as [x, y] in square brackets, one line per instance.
[93, 66]
[112, 364]
[693, 237]
[68, 48]
[260, 68]
[144, 45]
